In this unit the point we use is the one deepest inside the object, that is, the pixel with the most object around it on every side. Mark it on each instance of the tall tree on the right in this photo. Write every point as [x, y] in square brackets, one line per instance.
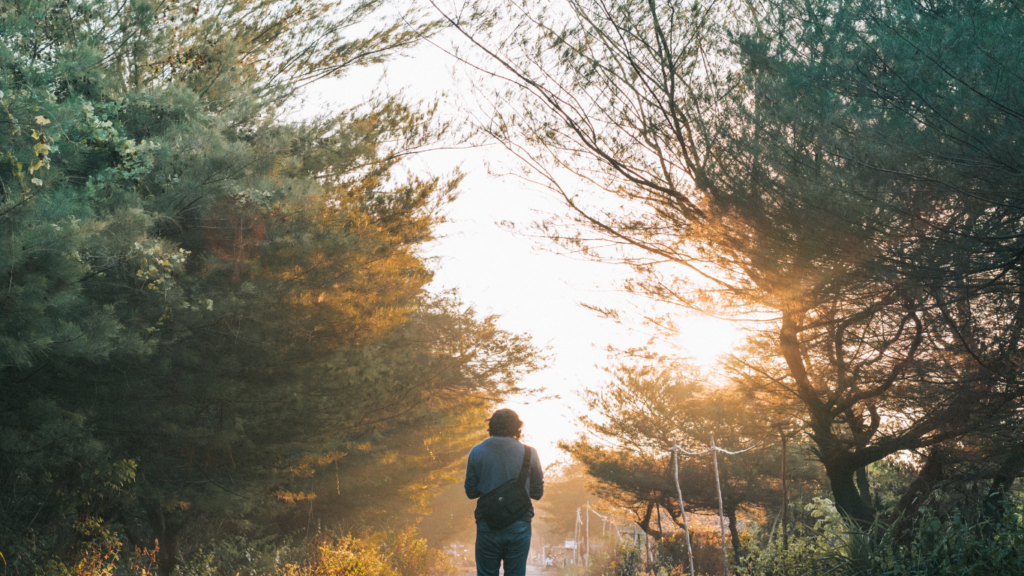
[845, 175]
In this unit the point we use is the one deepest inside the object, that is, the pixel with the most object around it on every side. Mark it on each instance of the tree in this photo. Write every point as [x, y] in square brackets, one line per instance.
[642, 412]
[567, 489]
[208, 306]
[408, 448]
[829, 167]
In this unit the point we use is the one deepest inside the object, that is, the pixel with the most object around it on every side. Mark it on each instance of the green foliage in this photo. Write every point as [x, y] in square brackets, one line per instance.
[247, 556]
[643, 411]
[927, 545]
[400, 553]
[63, 484]
[212, 315]
[628, 560]
[842, 177]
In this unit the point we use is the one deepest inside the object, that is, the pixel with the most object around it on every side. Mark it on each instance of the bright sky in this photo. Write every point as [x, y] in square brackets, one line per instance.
[533, 290]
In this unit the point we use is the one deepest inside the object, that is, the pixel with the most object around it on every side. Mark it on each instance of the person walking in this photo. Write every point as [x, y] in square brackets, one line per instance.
[501, 471]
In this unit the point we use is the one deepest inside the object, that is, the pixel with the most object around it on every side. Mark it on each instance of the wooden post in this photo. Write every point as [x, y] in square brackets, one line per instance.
[721, 511]
[647, 550]
[682, 508]
[785, 493]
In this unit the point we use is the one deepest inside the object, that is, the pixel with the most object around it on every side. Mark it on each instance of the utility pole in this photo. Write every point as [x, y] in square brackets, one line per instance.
[576, 539]
[587, 558]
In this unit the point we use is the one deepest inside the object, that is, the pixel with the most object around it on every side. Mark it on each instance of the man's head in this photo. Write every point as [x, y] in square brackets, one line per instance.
[505, 422]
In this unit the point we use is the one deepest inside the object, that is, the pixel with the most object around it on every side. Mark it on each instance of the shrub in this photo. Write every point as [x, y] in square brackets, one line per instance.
[410, 556]
[926, 546]
[341, 556]
[327, 554]
[707, 553]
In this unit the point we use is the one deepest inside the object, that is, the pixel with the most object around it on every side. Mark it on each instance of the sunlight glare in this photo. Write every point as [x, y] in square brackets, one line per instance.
[705, 340]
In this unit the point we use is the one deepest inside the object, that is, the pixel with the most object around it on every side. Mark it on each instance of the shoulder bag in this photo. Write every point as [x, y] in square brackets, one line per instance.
[510, 501]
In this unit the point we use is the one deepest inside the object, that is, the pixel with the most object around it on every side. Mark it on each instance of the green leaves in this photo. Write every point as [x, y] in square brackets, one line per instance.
[927, 545]
[840, 177]
[206, 305]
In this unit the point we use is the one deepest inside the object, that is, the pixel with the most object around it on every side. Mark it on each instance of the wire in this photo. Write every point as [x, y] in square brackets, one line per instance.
[714, 449]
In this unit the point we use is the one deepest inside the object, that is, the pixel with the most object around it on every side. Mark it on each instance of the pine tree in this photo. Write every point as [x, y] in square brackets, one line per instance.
[840, 175]
[208, 307]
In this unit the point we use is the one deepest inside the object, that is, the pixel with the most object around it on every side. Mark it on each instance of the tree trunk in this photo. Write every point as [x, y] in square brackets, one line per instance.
[734, 532]
[167, 559]
[168, 541]
[931, 473]
[831, 451]
[862, 484]
[844, 490]
[996, 500]
[645, 523]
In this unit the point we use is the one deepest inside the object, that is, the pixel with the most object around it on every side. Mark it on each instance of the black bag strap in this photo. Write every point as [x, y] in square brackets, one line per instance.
[524, 472]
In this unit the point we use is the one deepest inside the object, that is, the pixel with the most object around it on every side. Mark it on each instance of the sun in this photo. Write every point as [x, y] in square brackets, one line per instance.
[704, 340]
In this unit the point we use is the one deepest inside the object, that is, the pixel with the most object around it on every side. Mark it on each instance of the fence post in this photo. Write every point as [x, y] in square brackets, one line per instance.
[682, 507]
[785, 493]
[721, 511]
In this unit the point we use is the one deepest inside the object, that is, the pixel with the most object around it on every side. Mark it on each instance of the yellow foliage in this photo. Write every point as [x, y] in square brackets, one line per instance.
[342, 556]
[411, 557]
[309, 463]
[100, 554]
[293, 497]
[394, 554]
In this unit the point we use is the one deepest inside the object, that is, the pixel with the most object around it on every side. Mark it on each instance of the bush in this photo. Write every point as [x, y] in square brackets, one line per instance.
[707, 553]
[327, 554]
[927, 546]
[341, 556]
[627, 559]
[410, 556]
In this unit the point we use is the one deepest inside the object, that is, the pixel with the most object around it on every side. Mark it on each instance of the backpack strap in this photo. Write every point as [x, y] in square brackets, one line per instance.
[524, 472]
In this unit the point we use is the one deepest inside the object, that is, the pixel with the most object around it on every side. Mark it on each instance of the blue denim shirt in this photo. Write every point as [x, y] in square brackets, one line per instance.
[497, 460]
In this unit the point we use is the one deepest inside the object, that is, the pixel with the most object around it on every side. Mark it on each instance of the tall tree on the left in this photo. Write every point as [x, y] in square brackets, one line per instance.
[203, 304]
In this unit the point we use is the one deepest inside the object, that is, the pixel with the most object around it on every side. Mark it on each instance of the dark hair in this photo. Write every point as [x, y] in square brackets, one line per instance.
[505, 422]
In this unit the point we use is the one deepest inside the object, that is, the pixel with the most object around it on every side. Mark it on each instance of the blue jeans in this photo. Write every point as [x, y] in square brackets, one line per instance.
[510, 544]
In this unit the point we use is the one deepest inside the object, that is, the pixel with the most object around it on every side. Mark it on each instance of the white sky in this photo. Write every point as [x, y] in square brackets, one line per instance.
[534, 291]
